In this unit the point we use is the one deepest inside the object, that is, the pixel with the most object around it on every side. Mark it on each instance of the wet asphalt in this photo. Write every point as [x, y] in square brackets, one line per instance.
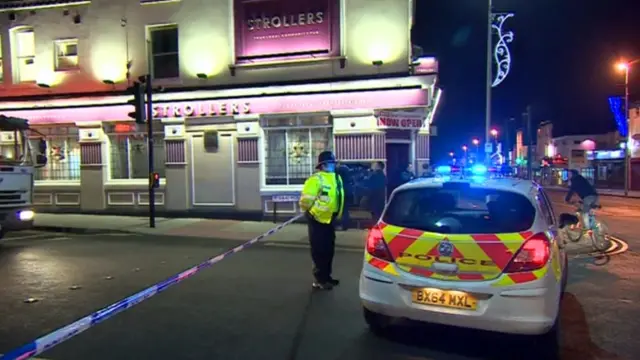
[258, 304]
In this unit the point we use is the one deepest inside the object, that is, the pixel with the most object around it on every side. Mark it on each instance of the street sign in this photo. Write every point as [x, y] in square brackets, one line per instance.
[488, 148]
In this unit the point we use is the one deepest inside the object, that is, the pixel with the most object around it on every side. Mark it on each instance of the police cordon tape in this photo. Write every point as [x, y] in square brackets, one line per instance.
[56, 337]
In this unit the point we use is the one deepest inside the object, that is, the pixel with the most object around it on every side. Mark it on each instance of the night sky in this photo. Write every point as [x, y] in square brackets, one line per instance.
[563, 63]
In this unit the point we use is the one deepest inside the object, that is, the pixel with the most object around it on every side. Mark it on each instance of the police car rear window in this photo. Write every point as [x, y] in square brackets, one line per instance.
[463, 210]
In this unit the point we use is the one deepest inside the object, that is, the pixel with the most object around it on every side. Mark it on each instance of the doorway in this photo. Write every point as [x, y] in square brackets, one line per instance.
[397, 162]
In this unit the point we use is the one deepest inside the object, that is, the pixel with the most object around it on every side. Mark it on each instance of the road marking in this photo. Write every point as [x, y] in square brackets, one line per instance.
[618, 246]
[303, 246]
[11, 238]
[39, 240]
[624, 246]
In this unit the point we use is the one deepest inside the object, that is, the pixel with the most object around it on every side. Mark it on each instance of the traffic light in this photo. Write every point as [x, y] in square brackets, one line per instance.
[155, 180]
[138, 102]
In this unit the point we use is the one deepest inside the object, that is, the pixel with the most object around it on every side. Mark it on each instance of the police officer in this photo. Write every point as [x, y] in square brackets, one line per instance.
[322, 200]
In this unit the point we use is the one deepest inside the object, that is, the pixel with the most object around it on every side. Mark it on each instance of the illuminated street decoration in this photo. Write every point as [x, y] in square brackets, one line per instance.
[618, 110]
[501, 53]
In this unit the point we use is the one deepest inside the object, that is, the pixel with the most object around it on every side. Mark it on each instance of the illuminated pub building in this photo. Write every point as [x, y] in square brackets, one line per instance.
[253, 92]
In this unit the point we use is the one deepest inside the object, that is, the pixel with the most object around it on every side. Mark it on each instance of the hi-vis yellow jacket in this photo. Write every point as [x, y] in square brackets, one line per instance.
[323, 196]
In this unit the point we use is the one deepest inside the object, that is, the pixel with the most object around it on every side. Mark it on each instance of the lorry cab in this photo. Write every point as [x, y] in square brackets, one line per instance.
[18, 160]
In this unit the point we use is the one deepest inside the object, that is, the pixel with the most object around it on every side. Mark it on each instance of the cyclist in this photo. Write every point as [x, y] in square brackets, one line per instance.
[587, 193]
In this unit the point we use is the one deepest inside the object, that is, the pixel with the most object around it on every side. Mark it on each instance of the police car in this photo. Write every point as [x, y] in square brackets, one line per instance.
[467, 250]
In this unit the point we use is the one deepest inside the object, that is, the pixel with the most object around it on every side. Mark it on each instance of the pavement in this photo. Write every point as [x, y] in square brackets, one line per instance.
[257, 304]
[294, 234]
[608, 192]
[236, 230]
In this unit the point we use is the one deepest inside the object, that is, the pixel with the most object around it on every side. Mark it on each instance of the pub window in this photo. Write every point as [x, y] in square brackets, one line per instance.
[23, 48]
[66, 55]
[128, 156]
[164, 51]
[292, 145]
[63, 153]
[1, 63]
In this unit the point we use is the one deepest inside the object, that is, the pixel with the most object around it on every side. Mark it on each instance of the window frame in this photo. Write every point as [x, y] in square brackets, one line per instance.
[128, 135]
[48, 138]
[151, 55]
[262, 141]
[545, 207]
[57, 57]
[413, 195]
[1, 62]
[17, 58]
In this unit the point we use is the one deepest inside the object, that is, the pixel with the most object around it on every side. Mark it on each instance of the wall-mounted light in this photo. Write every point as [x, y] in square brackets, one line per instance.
[202, 75]
[43, 85]
[232, 69]
[77, 19]
[377, 63]
[109, 82]
[12, 16]
[343, 63]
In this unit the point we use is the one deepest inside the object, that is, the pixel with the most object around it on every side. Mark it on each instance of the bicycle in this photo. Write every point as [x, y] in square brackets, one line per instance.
[597, 230]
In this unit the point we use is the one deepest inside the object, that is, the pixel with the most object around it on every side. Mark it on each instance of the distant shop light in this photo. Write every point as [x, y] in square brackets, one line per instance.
[202, 75]
[377, 63]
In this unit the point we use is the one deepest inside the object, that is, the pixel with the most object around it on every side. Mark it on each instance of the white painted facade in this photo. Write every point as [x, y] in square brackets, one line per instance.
[65, 69]
[112, 32]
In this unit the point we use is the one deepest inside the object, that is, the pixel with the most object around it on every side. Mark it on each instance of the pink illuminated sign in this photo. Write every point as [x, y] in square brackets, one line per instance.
[385, 99]
[426, 65]
[265, 29]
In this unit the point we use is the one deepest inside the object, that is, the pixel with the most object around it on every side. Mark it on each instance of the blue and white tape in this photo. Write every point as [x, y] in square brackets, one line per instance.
[56, 337]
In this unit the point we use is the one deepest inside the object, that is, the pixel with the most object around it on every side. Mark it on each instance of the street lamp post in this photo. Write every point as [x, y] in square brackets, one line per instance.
[494, 134]
[466, 158]
[625, 66]
[502, 56]
[476, 143]
[489, 75]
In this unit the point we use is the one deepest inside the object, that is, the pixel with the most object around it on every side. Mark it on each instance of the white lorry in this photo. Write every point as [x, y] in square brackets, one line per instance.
[17, 163]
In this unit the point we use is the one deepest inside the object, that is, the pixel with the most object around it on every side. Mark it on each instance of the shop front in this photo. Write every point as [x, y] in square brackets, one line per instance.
[608, 168]
[226, 151]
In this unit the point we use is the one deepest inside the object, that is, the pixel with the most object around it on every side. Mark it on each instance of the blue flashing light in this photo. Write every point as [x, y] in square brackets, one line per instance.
[478, 178]
[443, 170]
[479, 169]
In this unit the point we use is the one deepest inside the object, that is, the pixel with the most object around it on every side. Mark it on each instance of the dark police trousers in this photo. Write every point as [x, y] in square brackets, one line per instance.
[322, 239]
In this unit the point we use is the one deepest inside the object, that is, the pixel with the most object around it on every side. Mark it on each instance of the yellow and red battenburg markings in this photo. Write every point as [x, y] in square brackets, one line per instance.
[494, 249]
[385, 266]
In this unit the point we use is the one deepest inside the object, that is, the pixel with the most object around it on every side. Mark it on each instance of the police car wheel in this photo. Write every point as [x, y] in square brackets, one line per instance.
[548, 345]
[378, 324]
[565, 277]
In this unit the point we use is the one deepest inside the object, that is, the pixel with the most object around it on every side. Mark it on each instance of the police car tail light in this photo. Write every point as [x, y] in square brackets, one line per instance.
[376, 246]
[533, 255]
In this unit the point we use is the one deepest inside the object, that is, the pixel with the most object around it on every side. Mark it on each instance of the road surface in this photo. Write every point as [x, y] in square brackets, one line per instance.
[257, 304]
[620, 214]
